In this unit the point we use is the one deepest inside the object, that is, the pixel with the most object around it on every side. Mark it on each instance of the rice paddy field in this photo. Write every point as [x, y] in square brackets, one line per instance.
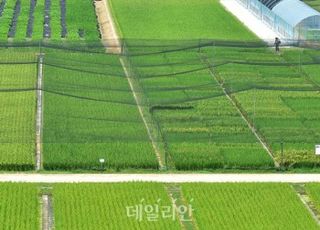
[263, 206]
[23, 20]
[192, 91]
[19, 206]
[90, 113]
[176, 20]
[18, 71]
[280, 100]
[201, 128]
[101, 206]
[104, 206]
[203, 104]
[313, 190]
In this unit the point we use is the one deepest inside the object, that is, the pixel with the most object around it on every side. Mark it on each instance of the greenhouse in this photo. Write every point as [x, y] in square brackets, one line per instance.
[292, 19]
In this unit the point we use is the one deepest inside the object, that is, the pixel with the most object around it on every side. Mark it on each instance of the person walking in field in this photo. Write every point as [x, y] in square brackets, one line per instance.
[277, 44]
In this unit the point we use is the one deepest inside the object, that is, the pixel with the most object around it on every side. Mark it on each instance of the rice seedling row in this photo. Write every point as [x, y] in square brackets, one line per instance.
[22, 19]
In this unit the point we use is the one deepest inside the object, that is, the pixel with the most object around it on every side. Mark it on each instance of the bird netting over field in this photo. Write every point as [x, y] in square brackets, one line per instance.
[189, 93]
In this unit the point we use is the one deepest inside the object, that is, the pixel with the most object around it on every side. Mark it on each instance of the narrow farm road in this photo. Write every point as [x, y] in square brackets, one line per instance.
[163, 178]
[39, 113]
[108, 32]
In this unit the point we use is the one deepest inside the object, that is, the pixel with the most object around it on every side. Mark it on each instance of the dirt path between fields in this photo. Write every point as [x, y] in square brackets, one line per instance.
[137, 99]
[185, 217]
[161, 178]
[108, 32]
[47, 213]
[39, 113]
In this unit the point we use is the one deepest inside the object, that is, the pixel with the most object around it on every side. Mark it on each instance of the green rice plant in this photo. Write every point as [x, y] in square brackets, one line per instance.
[313, 191]
[37, 33]
[247, 206]
[104, 206]
[55, 23]
[81, 20]
[19, 206]
[312, 71]
[22, 24]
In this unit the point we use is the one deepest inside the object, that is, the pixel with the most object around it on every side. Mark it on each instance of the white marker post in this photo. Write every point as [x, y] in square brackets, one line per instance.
[102, 161]
[318, 150]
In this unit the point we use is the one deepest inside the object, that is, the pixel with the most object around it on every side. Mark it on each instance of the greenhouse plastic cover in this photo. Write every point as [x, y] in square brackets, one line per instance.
[294, 11]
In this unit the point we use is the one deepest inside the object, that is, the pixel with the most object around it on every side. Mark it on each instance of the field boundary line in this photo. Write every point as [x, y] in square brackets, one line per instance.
[107, 29]
[175, 193]
[47, 217]
[305, 199]
[136, 98]
[234, 103]
[39, 113]
[47, 212]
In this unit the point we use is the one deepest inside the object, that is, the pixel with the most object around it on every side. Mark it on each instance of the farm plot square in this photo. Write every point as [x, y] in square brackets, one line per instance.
[90, 114]
[251, 206]
[19, 206]
[200, 127]
[18, 74]
[175, 19]
[279, 95]
[104, 206]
